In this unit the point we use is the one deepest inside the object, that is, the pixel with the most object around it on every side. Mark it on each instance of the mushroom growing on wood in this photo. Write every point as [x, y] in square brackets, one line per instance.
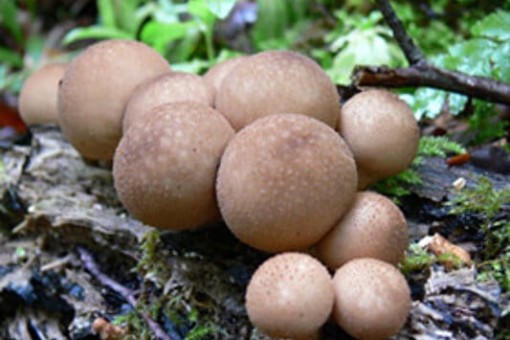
[164, 170]
[38, 96]
[284, 181]
[277, 82]
[382, 133]
[290, 296]
[372, 227]
[95, 89]
[169, 87]
[372, 299]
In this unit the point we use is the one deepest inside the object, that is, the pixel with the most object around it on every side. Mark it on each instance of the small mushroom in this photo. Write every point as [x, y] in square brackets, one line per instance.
[169, 87]
[290, 296]
[284, 181]
[277, 82]
[373, 227]
[95, 89]
[164, 170]
[38, 96]
[382, 133]
[372, 299]
[215, 75]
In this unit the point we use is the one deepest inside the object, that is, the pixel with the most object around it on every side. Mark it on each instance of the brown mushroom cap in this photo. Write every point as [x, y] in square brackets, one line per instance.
[164, 170]
[215, 75]
[284, 181]
[95, 89]
[38, 97]
[277, 82]
[372, 299]
[373, 227]
[382, 133]
[169, 87]
[290, 296]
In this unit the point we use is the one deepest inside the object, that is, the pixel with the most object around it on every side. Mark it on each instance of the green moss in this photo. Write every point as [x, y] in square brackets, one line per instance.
[418, 259]
[487, 202]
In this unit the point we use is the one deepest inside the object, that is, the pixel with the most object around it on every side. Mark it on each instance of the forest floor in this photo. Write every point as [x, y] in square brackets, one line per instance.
[72, 260]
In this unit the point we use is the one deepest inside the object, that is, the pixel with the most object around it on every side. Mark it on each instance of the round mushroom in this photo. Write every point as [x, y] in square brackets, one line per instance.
[215, 75]
[382, 133]
[372, 299]
[169, 87]
[38, 96]
[290, 296]
[95, 89]
[373, 227]
[277, 82]
[284, 181]
[164, 170]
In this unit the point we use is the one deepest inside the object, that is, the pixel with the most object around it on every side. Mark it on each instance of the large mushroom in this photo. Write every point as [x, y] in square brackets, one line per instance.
[164, 169]
[372, 299]
[290, 296]
[373, 227]
[95, 89]
[38, 96]
[382, 133]
[284, 181]
[277, 82]
[169, 87]
[215, 75]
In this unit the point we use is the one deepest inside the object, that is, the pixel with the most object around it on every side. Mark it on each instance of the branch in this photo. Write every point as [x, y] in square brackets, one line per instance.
[421, 73]
[127, 294]
[430, 76]
[412, 53]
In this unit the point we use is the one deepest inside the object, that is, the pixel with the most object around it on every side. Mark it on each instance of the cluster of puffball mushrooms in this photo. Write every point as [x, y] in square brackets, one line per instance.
[261, 142]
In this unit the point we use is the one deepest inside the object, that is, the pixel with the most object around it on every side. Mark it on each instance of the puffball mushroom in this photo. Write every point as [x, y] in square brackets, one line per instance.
[382, 133]
[95, 89]
[284, 181]
[38, 96]
[372, 299]
[169, 87]
[290, 296]
[372, 227]
[164, 169]
[277, 82]
[215, 75]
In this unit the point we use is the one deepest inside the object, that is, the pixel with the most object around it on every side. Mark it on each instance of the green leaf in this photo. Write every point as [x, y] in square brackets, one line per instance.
[471, 57]
[501, 61]
[456, 103]
[95, 32]
[494, 26]
[200, 9]
[160, 35]
[221, 8]
[106, 10]
[11, 58]
[271, 21]
[8, 14]
[362, 47]
[428, 102]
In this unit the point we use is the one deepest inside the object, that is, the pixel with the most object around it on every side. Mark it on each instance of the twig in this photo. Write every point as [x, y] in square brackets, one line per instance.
[422, 73]
[127, 294]
[412, 53]
[430, 76]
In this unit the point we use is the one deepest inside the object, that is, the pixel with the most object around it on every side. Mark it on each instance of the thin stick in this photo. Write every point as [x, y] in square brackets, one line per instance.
[411, 51]
[127, 294]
